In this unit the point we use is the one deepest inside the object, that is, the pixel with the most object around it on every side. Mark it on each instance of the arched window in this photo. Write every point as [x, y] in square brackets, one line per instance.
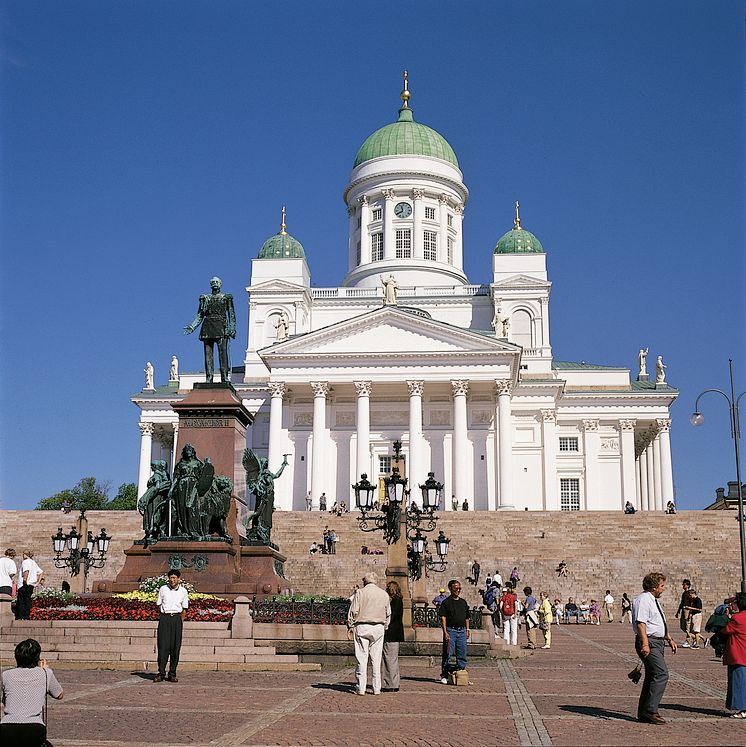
[521, 328]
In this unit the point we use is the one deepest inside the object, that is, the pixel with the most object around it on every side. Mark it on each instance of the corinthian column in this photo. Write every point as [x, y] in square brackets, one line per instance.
[592, 449]
[415, 470]
[504, 446]
[277, 391]
[318, 455]
[650, 461]
[460, 457]
[362, 463]
[658, 472]
[549, 442]
[627, 449]
[146, 454]
[664, 436]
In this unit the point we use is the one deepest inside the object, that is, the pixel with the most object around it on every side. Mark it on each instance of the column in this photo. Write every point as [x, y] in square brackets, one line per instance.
[643, 462]
[638, 502]
[277, 391]
[591, 450]
[318, 454]
[389, 241]
[362, 462]
[657, 472]
[351, 232]
[146, 455]
[417, 473]
[664, 431]
[650, 475]
[443, 232]
[364, 231]
[504, 446]
[458, 244]
[418, 214]
[549, 441]
[627, 458]
[460, 458]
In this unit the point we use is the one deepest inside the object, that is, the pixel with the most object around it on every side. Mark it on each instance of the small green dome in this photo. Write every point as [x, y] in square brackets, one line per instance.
[518, 241]
[405, 137]
[281, 246]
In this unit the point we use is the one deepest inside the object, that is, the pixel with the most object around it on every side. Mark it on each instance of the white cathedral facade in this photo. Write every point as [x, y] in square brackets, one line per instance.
[407, 349]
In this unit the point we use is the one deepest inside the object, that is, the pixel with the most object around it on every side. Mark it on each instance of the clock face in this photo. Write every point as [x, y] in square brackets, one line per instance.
[403, 210]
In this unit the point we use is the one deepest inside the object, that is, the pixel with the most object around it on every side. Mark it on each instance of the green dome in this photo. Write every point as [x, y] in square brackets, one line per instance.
[405, 137]
[518, 241]
[281, 246]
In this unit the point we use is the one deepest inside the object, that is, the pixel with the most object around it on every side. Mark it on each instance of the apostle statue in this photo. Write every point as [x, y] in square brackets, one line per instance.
[282, 327]
[389, 290]
[501, 324]
[642, 358]
[660, 370]
[153, 503]
[149, 376]
[174, 372]
[260, 481]
[218, 319]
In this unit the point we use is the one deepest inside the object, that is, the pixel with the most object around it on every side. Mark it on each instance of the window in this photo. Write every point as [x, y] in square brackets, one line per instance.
[568, 443]
[430, 213]
[384, 465]
[377, 213]
[403, 243]
[450, 250]
[430, 245]
[569, 494]
[359, 254]
[376, 248]
[359, 221]
[450, 220]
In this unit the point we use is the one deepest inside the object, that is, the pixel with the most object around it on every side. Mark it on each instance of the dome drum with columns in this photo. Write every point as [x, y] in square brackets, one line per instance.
[406, 348]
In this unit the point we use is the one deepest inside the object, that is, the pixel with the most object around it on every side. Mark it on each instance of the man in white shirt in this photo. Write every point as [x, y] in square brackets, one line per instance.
[31, 574]
[609, 606]
[651, 631]
[7, 571]
[173, 601]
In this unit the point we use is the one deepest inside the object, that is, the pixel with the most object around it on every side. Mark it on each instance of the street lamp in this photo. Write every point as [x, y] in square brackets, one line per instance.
[364, 492]
[697, 419]
[91, 555]
[432, 492]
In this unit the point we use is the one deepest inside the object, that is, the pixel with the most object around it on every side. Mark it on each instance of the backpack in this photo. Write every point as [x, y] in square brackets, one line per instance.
[509, 605]
[489, 599]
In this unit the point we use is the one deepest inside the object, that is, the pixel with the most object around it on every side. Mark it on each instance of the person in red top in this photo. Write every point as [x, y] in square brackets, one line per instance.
[734, 657]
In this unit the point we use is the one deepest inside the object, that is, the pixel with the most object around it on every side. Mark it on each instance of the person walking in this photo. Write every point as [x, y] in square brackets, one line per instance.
[626, 608]
[393, 636]
[531, 614]
[31, 574]
[476, 569]
[454, 621]
[509, 616]
[173, 601]
[8, 572]
[651, 636]
[23, 693]
[683, 611]
[694, 625]
[734, 657]
[609, 606]
[367, 620]
[545, 619]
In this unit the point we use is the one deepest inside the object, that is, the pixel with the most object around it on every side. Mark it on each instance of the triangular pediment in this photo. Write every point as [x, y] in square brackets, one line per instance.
[275, 285]
[522, 281]
[389, 331]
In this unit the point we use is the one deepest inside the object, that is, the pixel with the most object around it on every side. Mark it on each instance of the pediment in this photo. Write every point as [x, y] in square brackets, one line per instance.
[522, 281]
[391, 332]
[275, 285]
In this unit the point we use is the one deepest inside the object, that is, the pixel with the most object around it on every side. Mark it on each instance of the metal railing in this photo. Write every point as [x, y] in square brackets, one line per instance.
[428, 617]
[329, 612]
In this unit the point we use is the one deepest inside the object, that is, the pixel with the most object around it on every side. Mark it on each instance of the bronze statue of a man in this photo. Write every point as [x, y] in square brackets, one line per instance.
[218, 318]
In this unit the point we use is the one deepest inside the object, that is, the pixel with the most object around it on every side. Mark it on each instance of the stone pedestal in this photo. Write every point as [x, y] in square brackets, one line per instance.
[398, 570]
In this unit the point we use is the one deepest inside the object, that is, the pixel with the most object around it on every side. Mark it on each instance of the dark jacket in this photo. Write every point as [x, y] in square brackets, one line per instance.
[395, 631]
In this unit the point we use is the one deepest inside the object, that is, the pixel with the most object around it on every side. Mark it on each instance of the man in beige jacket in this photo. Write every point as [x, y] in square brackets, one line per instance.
[368, 618]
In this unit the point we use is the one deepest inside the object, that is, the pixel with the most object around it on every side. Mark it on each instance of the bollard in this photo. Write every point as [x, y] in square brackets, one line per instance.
[242, 624]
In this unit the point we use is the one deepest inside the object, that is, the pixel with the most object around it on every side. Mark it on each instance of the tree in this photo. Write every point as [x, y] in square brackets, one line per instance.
[88, 494]
[125, 499]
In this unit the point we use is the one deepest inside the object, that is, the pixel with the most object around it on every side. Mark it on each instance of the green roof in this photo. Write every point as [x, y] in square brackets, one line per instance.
[281, 246]
[518, 241]
[406, 137]
[582, 365]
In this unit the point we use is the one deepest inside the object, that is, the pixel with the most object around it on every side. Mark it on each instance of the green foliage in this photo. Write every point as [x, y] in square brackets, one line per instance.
[155, 582]
[46, 592]
[125, 499]
[92, 495]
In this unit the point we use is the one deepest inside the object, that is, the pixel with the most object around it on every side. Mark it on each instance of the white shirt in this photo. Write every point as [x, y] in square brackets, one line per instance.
[498, 579]
[608, 599]
[645, 610]
[7, 569]
[30, 565]
[172, 600]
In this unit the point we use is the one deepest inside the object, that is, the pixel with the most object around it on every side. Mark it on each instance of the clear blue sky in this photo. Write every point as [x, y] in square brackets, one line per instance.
[148, 145]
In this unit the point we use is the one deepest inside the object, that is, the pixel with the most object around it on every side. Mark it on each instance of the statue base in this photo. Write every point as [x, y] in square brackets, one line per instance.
[643, 377]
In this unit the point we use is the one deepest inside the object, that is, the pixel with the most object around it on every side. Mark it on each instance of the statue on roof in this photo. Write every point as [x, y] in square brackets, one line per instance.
[149, 376]
[174, 372]
[389, 290]
[218, 319]
[642, 358]
[660, 370]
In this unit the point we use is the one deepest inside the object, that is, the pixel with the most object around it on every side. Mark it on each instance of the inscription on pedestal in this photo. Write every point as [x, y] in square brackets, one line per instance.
[204, 423]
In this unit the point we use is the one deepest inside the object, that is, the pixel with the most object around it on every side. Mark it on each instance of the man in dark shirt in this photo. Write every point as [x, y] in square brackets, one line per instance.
[454, 620]
[571, 610]
[683, 612]
[695, 618]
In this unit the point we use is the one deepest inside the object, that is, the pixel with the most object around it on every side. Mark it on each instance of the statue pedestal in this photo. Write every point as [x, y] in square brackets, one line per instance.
[643, 377]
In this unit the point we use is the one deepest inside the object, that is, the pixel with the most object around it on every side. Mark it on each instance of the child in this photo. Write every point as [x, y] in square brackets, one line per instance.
[595, 612]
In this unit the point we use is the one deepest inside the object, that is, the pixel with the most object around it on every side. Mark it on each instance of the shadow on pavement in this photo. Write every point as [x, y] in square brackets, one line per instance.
[339, 687]
[694, 709]
[597, 713]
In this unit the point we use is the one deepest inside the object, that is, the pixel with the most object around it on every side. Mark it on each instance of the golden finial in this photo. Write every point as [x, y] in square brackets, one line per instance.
[405, 95]
[517, 221]
[283, 232]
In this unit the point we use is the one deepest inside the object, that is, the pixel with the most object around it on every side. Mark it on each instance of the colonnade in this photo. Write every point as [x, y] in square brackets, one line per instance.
[653, 468]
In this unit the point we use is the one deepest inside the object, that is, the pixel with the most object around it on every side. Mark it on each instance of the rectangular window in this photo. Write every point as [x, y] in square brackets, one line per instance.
[430, 245]
[403, 243]
[359, 253]
[430, 213]
[359, 221]
[450, 250]
[569, 494]
[384, 465]
[376, 247]
[450, 220]
[568, 443]
[377, 213]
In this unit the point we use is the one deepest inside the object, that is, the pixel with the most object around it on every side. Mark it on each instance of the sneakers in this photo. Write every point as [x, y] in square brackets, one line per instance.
[740, 714]
[696, 645]
[545, 646]
[443, 680]
[685, 644]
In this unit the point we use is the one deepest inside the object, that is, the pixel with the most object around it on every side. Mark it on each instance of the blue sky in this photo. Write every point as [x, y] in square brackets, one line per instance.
[149, 145]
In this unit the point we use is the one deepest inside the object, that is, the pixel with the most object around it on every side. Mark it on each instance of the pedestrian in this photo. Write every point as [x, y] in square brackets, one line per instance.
[309, 501]
[651, 636]
[465, 505]
[531, 615]
[393, 636]
[8, 572]
[442, 596]
[683, 612]
[509, 615]
[557, 607]
[595, 612]
[31, 575]
[173, 601]
[545, 619]
[475, 571]
[609, 606]
[514, 577]
[322, 502]
[454, 503]
[23, 693]
[454, 621]
[497, 579]
[734, 657]
[333, 542]
[367, 621]
[694, 625]
[626, 608]
[326, 539]
[561, 569]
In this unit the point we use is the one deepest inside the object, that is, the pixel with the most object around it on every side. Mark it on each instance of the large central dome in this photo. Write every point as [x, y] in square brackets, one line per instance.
[406, 137]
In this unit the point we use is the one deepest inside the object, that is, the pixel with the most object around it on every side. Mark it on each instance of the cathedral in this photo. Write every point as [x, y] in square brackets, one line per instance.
[407, 349]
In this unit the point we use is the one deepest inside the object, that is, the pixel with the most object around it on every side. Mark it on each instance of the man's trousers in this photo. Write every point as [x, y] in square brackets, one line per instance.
[368, 643]
[656, 676]
[169, 642]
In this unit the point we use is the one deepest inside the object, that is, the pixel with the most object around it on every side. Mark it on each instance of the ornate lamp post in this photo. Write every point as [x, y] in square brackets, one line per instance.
[697, 419]
[92, 554]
